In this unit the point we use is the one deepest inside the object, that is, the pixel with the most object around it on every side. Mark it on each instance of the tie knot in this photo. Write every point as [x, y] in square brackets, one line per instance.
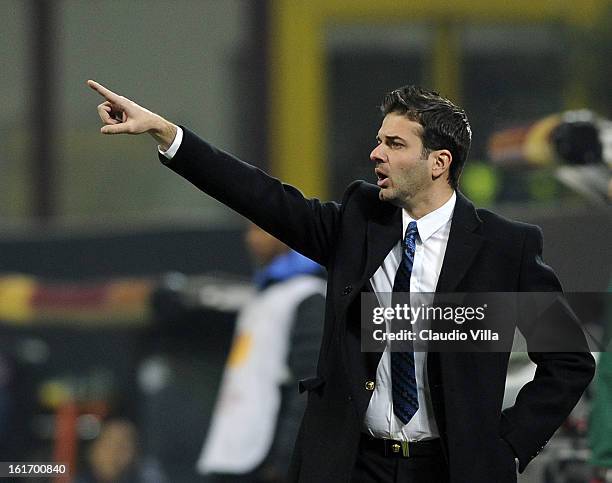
[411, 233]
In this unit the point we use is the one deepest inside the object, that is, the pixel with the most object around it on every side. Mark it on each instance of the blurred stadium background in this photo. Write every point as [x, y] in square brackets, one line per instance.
[119, 282]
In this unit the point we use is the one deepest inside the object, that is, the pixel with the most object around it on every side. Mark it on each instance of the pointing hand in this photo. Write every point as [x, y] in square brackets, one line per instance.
[123, 116]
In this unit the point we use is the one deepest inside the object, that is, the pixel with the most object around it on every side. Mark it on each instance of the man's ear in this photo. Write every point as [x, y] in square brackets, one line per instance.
[442, 160]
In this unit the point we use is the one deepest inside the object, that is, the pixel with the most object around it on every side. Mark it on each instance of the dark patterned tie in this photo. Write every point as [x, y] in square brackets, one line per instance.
[403, 381]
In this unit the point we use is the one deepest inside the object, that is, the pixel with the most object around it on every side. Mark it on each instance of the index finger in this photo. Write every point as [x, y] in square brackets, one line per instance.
[103, 91]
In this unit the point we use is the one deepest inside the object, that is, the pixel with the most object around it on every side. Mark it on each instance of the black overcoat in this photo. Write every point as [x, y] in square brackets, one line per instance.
[485, 253]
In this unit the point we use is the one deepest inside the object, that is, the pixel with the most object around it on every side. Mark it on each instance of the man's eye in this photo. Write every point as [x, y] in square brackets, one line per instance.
[396, 145]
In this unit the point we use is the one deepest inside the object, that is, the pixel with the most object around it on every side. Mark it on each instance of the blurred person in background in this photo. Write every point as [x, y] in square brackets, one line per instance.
[600, 423]
[276, 342]
[408, 416]
[113, 457]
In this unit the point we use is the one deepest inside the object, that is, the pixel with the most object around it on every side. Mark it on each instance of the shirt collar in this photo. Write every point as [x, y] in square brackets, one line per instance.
[431, 222]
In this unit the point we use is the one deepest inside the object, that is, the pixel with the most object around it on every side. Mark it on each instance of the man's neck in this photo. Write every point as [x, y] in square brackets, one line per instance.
[423, 205]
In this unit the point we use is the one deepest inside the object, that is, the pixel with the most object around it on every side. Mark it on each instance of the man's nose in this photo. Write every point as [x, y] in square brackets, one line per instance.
[377, 154]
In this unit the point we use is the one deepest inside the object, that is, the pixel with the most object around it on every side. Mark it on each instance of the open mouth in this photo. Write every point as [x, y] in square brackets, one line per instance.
[382, 178]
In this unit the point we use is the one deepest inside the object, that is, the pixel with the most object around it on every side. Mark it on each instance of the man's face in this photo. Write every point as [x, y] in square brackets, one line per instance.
[402, 170]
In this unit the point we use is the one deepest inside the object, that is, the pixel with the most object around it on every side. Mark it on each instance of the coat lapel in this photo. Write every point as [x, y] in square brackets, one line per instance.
[383, 230]
[383, 233]
[461, 249]
[463, 245]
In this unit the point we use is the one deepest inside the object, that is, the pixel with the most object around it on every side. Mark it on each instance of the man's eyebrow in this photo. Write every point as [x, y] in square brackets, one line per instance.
[390, 138]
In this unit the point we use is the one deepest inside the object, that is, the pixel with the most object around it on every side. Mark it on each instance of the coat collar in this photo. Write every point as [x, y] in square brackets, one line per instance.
[463, 245]
[385, 229]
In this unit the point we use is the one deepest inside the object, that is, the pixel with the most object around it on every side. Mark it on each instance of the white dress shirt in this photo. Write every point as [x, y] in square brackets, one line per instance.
[380, 421]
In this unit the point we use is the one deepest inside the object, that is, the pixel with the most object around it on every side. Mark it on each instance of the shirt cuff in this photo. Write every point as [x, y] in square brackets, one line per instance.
[174, 147]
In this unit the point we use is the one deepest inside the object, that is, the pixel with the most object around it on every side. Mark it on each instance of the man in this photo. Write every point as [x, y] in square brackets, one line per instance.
[258, 411]
[413, 232]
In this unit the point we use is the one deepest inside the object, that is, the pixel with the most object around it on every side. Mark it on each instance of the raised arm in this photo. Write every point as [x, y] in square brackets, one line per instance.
[306, 225]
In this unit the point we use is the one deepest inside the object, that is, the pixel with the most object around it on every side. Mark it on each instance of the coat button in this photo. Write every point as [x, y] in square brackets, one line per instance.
[369, 385]
[347, 290]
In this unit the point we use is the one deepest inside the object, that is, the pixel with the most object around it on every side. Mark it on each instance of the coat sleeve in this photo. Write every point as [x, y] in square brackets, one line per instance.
[560, 379]
[306, 225]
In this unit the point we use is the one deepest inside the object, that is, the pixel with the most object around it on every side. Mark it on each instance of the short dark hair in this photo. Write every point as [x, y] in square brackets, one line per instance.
[445, 125]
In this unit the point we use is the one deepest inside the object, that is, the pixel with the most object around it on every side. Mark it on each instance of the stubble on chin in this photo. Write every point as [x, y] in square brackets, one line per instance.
[387, 196]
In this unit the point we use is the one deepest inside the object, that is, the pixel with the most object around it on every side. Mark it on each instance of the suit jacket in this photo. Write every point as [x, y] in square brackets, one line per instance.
[485, 253]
